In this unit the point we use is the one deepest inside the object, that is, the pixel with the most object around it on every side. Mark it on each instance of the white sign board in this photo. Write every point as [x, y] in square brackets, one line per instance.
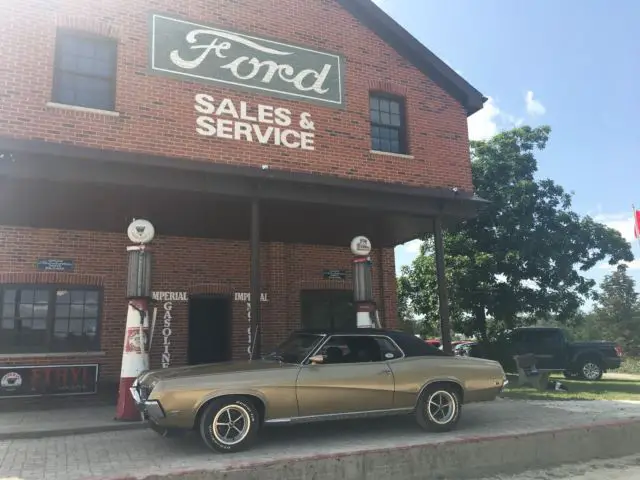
[167, 317]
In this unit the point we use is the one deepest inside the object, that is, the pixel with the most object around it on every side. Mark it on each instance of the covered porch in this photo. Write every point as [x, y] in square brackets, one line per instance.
[47, 185]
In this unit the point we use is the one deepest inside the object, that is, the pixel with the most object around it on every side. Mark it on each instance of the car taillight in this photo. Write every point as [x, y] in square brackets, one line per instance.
[618, 350]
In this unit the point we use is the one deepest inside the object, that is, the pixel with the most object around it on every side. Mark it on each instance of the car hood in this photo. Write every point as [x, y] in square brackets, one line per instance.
[212, 369]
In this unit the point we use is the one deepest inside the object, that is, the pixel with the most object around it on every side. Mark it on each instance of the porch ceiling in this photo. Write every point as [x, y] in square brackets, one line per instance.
[90, 191]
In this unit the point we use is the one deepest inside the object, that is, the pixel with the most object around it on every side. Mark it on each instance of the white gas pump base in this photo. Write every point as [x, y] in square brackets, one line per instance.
[135, 357]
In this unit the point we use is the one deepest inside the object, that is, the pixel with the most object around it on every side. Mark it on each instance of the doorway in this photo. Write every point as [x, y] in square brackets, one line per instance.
[209, 329]
[327, 309]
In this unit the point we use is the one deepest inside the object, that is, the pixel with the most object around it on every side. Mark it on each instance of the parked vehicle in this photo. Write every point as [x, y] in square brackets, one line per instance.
[315, 376]
[462, 348]
[434, 342]
[555, 351]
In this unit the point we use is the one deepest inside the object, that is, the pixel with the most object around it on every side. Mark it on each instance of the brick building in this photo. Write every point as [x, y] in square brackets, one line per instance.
[295, 124]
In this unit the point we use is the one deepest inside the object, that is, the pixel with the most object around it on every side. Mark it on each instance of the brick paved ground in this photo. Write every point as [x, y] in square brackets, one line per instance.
[40, 423]
[142, 452]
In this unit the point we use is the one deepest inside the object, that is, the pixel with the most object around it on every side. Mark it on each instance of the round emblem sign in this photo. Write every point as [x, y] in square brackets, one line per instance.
[11, 381]
[361, 246]
[141, 231]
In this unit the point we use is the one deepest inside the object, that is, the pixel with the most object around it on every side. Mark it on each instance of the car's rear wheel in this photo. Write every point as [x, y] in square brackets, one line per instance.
[591, 370]
[439, 408]
[229, 424]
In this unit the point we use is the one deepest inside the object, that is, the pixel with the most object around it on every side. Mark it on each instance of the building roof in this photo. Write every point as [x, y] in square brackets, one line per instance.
[373, 17]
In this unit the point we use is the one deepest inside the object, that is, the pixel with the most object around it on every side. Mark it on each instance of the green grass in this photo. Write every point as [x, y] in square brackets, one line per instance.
[630, 365]
[578, 390]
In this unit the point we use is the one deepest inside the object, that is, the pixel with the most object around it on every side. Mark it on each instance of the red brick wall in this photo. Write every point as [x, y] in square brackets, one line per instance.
[183, 264]
[157, 114]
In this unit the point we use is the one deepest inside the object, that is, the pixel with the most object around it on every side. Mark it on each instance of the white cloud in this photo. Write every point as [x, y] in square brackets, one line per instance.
[623, 222]
[488, 121]
[633, 265]
[534, 107]
[413, 246]
[484, 123]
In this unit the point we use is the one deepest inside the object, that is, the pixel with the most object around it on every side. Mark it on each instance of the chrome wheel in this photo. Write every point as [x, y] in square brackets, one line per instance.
[231, 424]
[441, 407]
[591, 371]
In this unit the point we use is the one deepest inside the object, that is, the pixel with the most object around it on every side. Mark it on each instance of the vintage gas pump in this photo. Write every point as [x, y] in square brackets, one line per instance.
[366, 314]
[135, 352]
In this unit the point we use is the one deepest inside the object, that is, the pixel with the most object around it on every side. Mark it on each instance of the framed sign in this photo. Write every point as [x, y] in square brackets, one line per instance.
[55, 265]
[228, 58]
[334, 274]
[37, 380]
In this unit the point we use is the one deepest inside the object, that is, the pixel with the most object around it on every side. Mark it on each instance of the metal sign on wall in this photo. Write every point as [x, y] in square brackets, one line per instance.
[214, 55]
[54, 265]
[30, 381]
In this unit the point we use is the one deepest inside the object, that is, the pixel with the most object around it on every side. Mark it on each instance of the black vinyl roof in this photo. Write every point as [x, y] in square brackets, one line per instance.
[373, 17]
[411, 345]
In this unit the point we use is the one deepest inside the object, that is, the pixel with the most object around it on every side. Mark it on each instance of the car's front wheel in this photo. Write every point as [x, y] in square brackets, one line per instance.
[229, 424]
[439, 408]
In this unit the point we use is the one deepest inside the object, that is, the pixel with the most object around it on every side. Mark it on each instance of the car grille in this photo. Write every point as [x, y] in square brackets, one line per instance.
[144, 391]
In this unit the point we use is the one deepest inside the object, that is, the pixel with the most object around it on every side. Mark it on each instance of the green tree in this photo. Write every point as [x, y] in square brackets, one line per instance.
[617, 312]
[520, 260]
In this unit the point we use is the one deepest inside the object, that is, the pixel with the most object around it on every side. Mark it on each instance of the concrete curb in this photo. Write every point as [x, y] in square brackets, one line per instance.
[459, 459]
[62, 432]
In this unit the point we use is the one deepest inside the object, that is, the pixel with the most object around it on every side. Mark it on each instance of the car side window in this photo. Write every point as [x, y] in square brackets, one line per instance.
[548, 341]
[351, 349]
[388, 349]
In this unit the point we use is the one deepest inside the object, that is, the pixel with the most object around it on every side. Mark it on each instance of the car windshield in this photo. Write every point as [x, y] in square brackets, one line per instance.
[295, 348]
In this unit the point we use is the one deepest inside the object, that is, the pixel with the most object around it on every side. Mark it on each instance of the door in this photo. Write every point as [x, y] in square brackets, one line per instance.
[327, 309]
[354, 378]
[209, 329]
[548, 347]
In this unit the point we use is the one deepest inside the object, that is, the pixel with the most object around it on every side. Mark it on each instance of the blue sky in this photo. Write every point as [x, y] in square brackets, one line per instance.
[548, 62]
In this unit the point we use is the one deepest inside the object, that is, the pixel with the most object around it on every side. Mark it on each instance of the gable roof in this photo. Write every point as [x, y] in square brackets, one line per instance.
[373, 17]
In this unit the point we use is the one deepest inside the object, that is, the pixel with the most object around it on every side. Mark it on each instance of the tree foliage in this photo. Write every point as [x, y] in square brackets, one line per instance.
[616, 316]
[521, 259]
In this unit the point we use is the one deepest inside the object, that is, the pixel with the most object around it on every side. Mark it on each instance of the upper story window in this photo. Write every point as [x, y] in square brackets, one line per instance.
[46, 318]
[388, 128]
[85, 70]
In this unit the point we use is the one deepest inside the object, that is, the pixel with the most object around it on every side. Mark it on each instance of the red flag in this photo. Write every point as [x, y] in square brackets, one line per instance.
[636, 217]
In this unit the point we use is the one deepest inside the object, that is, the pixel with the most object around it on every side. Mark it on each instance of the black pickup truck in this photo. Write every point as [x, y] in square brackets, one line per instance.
[555, 351]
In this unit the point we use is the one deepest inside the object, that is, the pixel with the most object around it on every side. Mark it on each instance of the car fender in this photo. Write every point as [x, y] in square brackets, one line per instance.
[591, 353]
[431, 381]
[225, 392]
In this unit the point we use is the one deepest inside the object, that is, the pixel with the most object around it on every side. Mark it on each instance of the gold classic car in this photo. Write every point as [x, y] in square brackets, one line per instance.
[315, 376]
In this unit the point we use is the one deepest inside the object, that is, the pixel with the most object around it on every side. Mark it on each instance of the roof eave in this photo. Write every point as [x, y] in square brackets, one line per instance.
[420, 56]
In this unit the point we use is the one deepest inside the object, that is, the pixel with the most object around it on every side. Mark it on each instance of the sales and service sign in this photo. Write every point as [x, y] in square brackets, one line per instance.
[219, 56]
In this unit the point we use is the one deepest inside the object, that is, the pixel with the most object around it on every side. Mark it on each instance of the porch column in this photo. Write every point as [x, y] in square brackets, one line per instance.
[256, 323]
[443, 300]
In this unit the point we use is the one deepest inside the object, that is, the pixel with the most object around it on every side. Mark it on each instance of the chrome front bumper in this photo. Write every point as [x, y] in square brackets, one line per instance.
[150, 409]
[505, 382]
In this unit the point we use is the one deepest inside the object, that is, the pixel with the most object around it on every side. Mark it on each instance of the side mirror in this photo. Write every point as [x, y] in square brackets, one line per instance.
[316, 359]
